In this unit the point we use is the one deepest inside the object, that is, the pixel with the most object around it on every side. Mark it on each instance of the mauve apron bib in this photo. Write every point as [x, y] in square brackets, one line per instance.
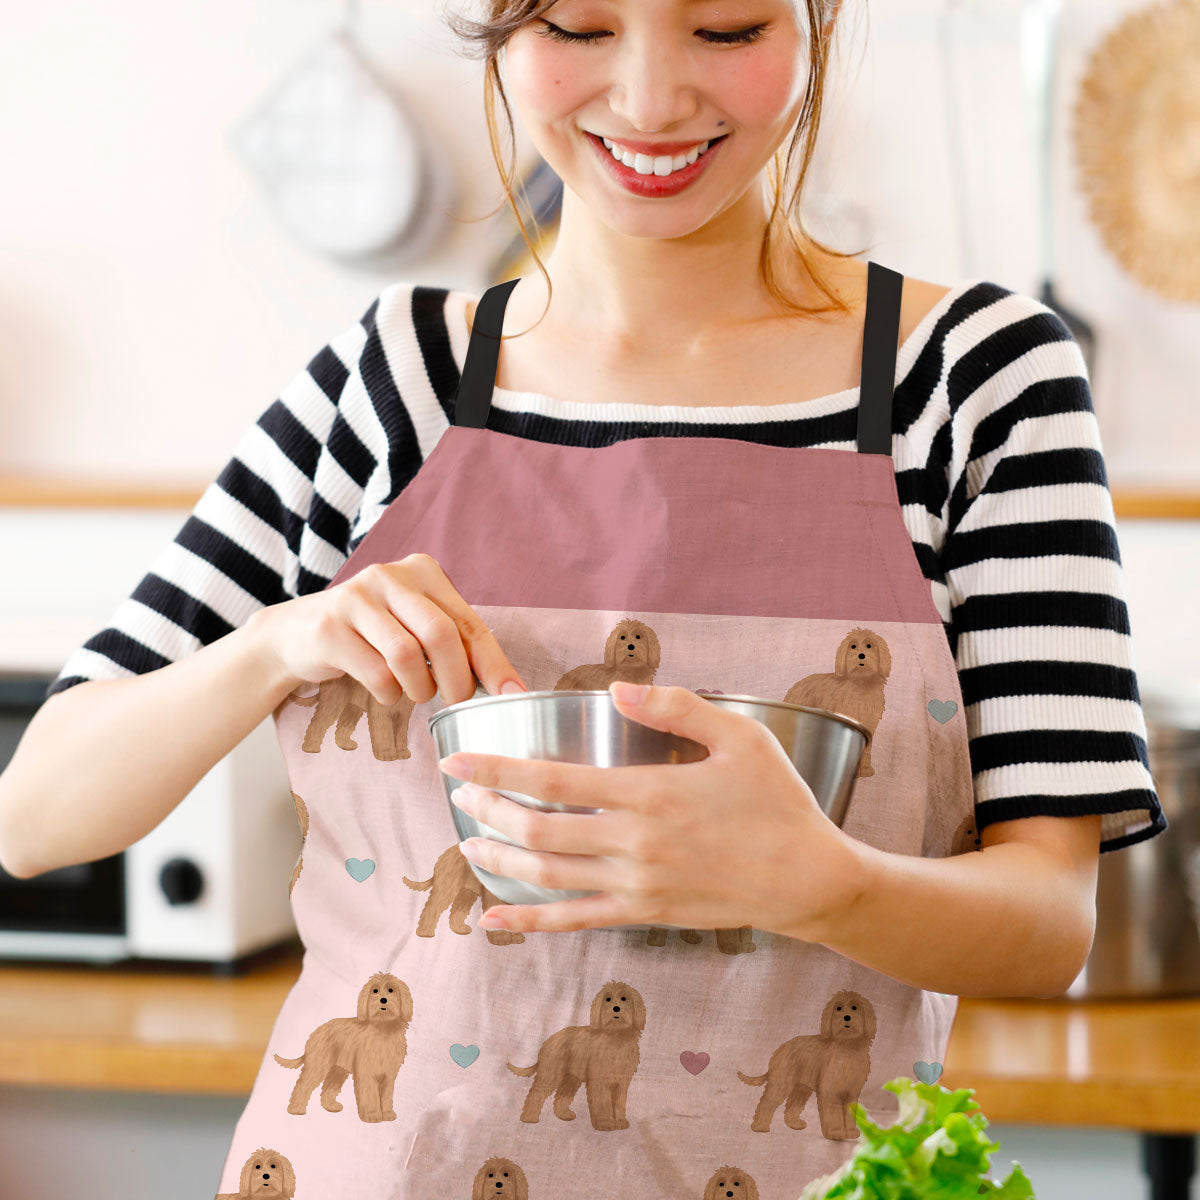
[420, 1056]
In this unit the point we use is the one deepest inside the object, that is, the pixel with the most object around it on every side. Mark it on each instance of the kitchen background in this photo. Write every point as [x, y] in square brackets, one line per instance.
[162, 277]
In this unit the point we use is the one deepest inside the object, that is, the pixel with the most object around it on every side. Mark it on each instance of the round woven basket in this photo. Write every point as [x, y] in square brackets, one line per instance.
[1137, 145]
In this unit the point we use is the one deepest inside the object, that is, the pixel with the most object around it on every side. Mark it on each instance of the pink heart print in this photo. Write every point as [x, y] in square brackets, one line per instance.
[695, 1063]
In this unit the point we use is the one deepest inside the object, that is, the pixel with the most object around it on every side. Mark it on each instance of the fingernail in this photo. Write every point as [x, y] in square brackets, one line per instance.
[510, 685]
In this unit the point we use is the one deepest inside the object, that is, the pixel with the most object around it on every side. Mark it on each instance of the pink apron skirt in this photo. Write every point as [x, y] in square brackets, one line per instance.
[419, 1056]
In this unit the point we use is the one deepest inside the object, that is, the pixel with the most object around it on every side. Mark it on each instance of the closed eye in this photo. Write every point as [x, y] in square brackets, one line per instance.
[736, 37]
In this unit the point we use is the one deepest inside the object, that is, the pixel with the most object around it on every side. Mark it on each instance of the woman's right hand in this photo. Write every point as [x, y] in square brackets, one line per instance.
[379, 627]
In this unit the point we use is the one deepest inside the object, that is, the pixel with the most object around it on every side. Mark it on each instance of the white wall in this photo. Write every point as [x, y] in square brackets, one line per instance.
[151, 306]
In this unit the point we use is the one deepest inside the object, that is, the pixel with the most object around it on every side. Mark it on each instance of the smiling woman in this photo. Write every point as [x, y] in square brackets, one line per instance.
[723, 458]
[579, 69]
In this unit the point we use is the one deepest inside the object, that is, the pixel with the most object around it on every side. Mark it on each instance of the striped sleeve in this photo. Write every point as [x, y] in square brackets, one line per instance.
[282, 515]
[1041, 632]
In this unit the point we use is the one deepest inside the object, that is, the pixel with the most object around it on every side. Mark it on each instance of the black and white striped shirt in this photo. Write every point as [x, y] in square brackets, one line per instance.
[999, 471]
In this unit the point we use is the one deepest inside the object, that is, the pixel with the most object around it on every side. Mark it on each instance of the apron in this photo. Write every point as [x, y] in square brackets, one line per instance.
[418, 1056]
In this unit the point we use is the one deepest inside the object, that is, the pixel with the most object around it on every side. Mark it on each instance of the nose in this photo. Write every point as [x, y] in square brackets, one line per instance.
[652, 89]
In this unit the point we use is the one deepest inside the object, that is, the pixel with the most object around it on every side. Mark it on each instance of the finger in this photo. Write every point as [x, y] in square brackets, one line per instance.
[560, 872]
[679, 710]
[580, 785]
[439, 636]
[362, 661]
[400, 652]
[487, 660]
[584, 912]
[550, 832]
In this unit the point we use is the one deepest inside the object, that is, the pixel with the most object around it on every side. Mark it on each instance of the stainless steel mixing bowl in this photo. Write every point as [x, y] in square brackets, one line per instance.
[586, 727]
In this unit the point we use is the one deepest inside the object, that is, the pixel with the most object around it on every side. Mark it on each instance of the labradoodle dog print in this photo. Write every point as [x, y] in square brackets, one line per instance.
[418, 1055]
[648, 1054]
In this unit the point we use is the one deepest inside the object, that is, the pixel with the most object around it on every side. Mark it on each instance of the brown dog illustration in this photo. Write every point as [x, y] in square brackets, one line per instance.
[730, 1182]
[344, 700]
[602, 1055]
[302, 817]
[738, 940]
[370, 1046]
[499, 1179]
[854, 688]
[834, 1063]
[265, 1173]
[631, 655]
[456, 887]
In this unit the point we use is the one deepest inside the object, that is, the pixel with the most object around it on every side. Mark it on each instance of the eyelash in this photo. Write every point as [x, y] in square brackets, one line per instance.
[739, 37]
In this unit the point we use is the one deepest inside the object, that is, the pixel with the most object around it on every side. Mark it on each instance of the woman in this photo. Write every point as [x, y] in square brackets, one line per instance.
[691, 492]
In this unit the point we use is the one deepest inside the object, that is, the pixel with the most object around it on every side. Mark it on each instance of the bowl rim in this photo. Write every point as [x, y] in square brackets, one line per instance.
[565, 693]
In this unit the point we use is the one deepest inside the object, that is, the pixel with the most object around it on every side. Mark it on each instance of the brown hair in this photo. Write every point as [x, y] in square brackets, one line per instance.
[505, 17]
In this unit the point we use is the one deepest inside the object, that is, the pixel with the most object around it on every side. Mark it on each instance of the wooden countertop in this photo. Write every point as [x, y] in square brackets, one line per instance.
[176, 1028]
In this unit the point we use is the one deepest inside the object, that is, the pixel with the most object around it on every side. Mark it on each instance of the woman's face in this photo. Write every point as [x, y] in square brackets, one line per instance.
[666, 75]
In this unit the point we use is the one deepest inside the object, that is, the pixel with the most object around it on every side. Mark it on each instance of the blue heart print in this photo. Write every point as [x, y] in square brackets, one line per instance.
[464, 1055]
[942, 710]
[927, 1072]
[360, 868]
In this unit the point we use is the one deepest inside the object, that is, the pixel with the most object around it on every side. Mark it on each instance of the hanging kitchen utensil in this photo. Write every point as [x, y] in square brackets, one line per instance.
[1039, 60]
[345, 164]
[1137, 145]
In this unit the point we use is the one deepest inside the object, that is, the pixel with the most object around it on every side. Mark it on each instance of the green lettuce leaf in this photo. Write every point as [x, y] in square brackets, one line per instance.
[935, 1150]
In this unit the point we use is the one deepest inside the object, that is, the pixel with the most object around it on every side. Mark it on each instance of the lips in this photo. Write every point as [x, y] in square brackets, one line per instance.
[664, 150]
[649, 184]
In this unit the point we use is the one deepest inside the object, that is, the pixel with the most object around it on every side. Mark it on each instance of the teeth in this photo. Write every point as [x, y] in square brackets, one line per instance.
[647, 164]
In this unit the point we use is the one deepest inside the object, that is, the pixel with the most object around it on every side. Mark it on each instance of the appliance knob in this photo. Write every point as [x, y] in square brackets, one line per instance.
[181, 880]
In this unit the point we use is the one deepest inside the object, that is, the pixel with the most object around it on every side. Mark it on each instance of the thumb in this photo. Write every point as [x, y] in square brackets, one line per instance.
[671, 709]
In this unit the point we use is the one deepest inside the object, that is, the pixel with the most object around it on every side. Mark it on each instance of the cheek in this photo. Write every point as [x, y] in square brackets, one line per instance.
[544, 80]
[763, 89]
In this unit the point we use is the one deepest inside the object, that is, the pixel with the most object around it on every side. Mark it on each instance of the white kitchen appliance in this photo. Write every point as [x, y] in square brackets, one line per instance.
[209, 884]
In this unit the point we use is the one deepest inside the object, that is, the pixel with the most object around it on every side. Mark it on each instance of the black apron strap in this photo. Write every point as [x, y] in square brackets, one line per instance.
[881, 329]
[881, 332]
[474, 395]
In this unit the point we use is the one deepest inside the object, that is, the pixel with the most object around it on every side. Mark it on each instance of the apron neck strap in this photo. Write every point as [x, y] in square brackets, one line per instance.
[881, 331]
[881, 327]
[474, 395]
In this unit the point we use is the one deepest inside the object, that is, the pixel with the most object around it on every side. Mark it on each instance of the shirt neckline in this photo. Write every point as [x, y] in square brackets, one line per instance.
[541, 404]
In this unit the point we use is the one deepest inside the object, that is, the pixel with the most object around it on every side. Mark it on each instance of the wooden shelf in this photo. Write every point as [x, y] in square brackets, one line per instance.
[46, 491]
[1158, 505]
[161, 1028]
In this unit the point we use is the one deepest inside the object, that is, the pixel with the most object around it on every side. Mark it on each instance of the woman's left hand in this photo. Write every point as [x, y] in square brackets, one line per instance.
[735, 839]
